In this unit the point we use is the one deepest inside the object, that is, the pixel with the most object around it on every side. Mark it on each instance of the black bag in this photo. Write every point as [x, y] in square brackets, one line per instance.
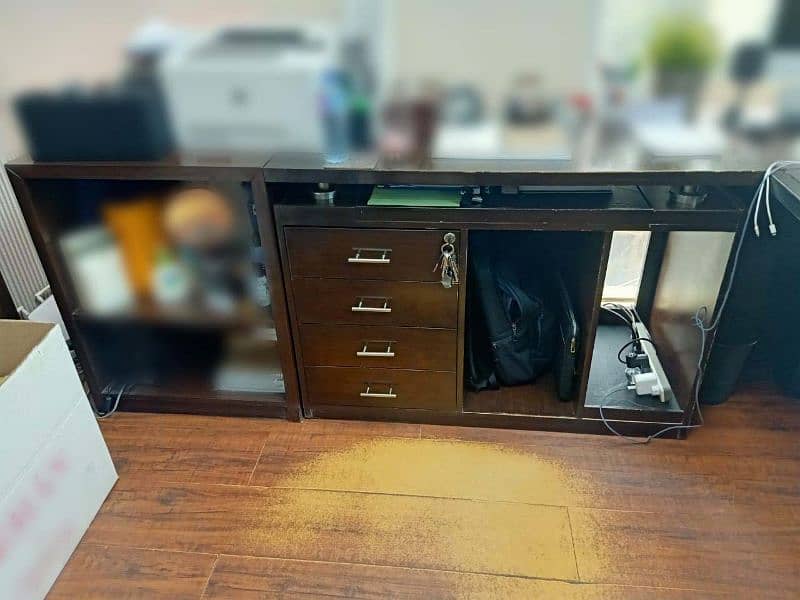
[478, 355]
[511, 330]
[565, 360]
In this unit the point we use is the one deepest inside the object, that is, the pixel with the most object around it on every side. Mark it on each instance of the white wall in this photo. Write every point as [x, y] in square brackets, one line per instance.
[487, 43]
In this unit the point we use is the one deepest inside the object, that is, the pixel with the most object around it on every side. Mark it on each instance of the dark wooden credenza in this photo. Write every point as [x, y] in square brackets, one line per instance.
[363, 327]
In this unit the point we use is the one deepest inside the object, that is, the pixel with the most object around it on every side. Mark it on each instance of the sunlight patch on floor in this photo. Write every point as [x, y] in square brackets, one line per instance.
[452, 505]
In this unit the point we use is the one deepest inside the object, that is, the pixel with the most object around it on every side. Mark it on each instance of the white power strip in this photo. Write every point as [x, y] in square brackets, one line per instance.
[653, 383]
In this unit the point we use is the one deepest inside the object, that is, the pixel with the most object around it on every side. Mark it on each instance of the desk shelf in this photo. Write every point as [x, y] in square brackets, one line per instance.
[627, 208]
[608, 374]
[149, 313]
[534, 399]
[167, 355]
[182, 397]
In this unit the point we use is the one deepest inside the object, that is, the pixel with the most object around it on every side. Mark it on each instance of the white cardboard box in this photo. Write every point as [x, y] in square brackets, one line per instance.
[55, 469]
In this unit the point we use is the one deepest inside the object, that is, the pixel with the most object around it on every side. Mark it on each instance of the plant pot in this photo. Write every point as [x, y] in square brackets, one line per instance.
[682, 83]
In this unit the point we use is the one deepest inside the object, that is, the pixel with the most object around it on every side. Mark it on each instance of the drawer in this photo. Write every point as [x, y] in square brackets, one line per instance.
[413, 304]
[392, 388]
[387, 254]
[379, 346]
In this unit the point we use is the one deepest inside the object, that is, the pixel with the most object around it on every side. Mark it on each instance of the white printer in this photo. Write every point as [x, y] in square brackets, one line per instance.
[249, 88]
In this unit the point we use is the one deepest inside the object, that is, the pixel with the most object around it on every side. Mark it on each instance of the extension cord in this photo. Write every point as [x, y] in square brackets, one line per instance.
[655, 382]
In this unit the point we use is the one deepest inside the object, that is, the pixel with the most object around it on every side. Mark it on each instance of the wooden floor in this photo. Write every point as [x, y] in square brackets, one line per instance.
[244, 508]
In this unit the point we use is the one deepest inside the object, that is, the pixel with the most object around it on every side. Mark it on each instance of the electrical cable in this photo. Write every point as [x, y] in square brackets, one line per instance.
[632, 317]
[633, 440]
[772, 229]
[626, 318]
[628, 311]
[104, 415]
[695, 398]
[634, 341]
[619, 316]
[763, 191]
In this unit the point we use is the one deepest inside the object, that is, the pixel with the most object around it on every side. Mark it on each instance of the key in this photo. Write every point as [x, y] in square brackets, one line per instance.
[454, 269]
[449, 255]
[447, 279]
[440, 264]
[446, 265]
[446, 252]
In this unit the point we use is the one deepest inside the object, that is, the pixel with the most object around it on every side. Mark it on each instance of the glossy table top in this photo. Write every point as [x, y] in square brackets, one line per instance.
[599, 160]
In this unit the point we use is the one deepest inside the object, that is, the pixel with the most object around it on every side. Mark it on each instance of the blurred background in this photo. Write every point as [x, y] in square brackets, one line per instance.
[410, 79]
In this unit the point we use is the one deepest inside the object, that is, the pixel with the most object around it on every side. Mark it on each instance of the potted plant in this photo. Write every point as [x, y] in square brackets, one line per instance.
[682, 50]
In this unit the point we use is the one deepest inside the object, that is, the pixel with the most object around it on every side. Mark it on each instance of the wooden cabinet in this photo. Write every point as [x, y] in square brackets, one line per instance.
[376, 326]
[377, 336]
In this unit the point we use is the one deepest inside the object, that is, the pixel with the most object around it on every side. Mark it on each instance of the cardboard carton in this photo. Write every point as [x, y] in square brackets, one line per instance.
[55, 469]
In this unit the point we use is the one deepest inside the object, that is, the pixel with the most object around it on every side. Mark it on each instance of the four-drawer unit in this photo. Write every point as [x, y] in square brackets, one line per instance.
[375, 325]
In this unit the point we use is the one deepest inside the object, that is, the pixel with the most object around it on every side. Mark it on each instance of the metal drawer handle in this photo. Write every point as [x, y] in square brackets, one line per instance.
[368, 394]
[388, 353]
[372, 309]
[384, 259]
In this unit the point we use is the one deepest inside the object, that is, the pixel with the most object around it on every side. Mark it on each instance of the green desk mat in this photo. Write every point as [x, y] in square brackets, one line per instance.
[415, 196]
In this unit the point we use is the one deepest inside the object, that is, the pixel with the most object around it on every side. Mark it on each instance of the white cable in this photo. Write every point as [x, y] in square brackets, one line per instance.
[624, 308]
[763, 191]
[772, 229]
[624, 318]
[658, 433]
[697, 319]
[620, 316]
[757, 201]
[630, 314]
[113, 409]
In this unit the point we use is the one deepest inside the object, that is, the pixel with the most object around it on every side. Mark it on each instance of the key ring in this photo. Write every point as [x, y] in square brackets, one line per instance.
[448, 249]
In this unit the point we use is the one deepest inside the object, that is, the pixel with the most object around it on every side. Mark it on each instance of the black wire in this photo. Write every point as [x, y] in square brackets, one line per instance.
[634, 341]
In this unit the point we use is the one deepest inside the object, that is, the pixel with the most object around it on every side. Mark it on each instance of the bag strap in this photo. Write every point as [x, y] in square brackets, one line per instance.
[497, 322]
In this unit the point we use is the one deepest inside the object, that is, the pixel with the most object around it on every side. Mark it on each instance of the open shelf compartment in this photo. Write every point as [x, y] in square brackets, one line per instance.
[579, 257]
[607, 384]
[204, 353]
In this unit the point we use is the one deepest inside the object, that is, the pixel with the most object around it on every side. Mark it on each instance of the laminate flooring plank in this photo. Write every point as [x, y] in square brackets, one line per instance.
[105, 572]
[279, 579]
[432, 533]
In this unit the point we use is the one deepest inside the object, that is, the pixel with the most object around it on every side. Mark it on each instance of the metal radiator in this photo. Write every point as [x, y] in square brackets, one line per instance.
[19, 263]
